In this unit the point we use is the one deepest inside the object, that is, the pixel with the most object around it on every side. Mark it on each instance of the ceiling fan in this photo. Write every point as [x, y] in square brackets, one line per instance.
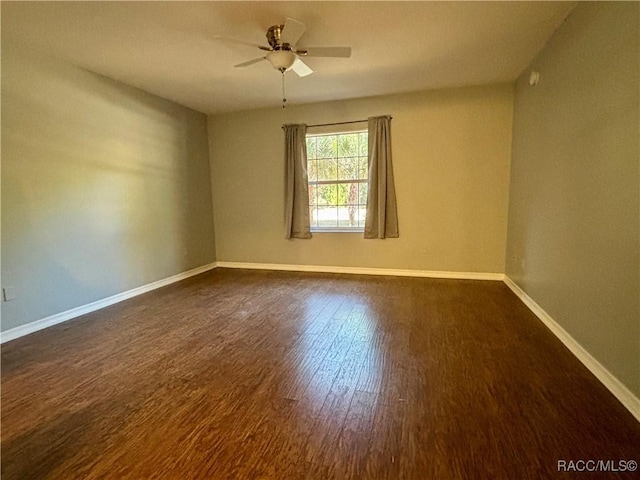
[283, 51]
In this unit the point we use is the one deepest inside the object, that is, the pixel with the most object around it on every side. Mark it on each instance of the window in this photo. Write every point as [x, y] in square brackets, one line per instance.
[338, 169]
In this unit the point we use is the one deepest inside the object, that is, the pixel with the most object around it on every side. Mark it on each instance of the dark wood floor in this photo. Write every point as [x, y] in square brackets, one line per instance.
[269, 375]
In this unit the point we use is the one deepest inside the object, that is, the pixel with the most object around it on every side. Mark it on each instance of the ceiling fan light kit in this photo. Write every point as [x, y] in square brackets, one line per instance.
[281, 59]
[284, 55]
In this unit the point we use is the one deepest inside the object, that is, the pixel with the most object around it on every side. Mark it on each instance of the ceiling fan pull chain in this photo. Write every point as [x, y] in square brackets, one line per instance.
[284, 100]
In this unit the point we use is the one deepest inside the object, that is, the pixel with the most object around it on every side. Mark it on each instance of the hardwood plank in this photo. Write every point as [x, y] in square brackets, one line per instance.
[269, 375]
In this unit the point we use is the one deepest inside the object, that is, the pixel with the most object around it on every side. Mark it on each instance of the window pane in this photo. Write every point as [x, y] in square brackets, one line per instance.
[348, 168]
[342, 194]
[311, 147]
[327, 195]
[348, 145]
[327, 146]
[343, 219]
[313, 216]
[363, 146]
[348, 216]
[362, 213]
[327, 217]
[327, 170]
[363, 194]
[312, 170]
[349, 194]
[363, 168]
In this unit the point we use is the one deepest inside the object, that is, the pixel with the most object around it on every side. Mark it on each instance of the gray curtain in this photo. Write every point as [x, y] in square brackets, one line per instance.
[296, 182]
[382, 215]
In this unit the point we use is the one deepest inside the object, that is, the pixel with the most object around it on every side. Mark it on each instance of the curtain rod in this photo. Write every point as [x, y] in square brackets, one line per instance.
[337, 123]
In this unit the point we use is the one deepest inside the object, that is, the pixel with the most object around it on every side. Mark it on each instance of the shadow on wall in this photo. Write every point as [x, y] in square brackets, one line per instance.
[105, 187]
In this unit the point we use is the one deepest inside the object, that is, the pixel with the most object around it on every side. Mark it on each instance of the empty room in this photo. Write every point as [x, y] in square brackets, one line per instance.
[320, 240]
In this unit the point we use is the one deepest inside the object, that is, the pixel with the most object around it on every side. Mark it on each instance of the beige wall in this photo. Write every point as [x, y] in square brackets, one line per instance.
[575, 186]
[104, 187]
[451, 162]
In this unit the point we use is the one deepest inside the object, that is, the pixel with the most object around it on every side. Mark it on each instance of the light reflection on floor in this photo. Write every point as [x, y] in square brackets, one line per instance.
[338, 353]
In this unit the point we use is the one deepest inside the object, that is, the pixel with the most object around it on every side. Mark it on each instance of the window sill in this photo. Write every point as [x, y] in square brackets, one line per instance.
[336, 230]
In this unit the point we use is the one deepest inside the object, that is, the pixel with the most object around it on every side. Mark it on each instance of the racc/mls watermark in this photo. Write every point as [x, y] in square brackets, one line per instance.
[597, 465]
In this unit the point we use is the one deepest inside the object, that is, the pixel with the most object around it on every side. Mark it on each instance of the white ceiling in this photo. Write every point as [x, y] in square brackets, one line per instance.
[167, 48]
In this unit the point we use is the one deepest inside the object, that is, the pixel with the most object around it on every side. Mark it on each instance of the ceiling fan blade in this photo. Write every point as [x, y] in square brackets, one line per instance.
[344, 52]
[301, 68]
[250, 62]
[292, 31]
[241, 42]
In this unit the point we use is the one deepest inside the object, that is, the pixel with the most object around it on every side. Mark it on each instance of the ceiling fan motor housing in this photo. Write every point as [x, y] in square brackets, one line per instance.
[273, 37]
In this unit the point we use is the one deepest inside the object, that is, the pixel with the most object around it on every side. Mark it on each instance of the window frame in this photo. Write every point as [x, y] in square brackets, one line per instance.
[356, 129]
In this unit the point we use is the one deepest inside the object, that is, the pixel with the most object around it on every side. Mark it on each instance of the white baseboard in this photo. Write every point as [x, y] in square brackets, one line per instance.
[91, 307]
[364, 271]
[31, 327]
[615, 386]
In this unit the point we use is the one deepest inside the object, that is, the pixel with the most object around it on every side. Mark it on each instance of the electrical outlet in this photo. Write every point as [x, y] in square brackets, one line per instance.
[8, 293]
